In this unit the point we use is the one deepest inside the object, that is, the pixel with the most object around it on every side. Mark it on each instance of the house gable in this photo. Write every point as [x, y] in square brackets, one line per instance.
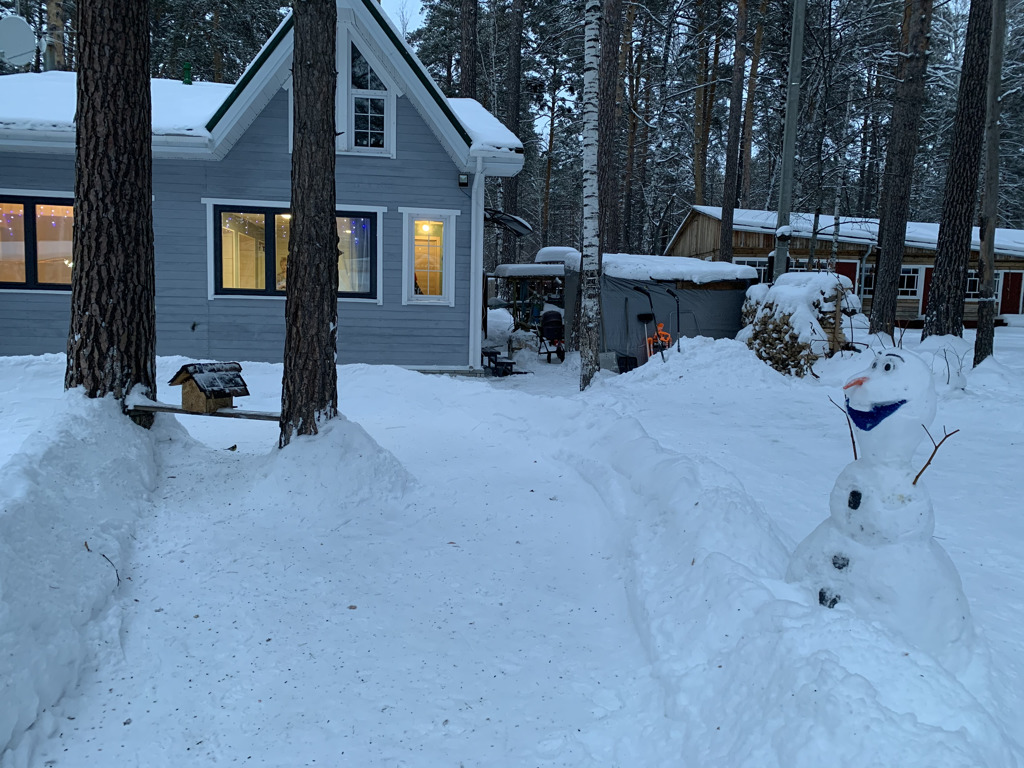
[362, 22]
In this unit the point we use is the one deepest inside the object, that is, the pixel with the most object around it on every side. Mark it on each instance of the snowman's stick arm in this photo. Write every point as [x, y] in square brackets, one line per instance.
[849, 425]
[935, 450]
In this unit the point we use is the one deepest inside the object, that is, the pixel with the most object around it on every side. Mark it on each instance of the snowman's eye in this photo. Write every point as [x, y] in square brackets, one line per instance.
[888, 366]
[874, 364]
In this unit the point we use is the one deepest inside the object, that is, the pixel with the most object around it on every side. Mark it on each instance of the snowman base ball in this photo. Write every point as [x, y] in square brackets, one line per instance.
[903, 580]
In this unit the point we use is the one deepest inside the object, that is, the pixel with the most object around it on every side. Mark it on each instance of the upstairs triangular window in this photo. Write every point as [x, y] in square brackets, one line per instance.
[363, 76]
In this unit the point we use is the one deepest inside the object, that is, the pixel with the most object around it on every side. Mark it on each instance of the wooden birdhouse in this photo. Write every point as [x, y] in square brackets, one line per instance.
[206, 387]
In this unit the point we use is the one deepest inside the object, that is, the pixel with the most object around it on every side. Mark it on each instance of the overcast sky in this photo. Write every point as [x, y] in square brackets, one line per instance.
[412, 8]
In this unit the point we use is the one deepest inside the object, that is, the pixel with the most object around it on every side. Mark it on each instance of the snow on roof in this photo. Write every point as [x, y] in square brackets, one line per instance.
[636, 267]
[484, 128]
[46, 102]
[1009, 242]
[529, 270]
[560, 254]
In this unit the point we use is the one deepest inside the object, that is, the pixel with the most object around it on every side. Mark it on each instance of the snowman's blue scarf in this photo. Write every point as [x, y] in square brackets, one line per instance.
[865, 421]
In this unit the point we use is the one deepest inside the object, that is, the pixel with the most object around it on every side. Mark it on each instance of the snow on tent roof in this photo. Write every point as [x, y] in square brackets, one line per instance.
[46, 102]
[852, 229]
[529, 270]
[484, 129]
[636, 267]
[560, 254]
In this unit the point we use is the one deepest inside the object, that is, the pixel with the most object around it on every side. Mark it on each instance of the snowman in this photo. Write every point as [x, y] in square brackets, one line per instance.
[875, 553]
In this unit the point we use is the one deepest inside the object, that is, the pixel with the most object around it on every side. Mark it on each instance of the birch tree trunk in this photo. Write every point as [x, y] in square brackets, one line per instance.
[945, 313]
[309, 391]
[112, 337]
[590, 287]
[897, 179]
[990, 196]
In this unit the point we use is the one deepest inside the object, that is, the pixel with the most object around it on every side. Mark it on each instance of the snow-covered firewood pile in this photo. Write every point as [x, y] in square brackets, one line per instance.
[798, 319]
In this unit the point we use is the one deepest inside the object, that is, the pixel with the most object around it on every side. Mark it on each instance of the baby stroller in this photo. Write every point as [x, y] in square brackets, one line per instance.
[552, 335]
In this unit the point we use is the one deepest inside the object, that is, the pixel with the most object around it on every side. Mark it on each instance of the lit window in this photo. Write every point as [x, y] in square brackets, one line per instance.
[244, 250]
[249, 258]
[429, 250]
[54, 224]
[428, 259]
[35, 243]
[12, 243]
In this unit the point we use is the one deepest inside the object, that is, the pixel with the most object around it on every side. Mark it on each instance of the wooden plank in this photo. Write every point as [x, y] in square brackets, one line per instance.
[234, 413]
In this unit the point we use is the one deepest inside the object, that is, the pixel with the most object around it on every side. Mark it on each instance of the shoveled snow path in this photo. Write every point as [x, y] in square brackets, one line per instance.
[313, 644]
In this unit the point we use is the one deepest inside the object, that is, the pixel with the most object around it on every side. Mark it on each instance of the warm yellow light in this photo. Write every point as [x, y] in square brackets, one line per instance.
[425, 227]
[286, 216]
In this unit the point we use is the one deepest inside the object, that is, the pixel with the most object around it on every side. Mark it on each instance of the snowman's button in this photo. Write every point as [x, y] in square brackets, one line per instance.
[840, 561]
[827, 599]
[854, 500]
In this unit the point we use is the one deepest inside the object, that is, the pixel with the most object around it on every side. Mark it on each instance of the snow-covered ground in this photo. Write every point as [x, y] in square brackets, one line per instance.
[490, 572]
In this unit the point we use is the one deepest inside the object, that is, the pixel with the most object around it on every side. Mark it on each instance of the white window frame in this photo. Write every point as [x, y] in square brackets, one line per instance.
[345, 106]
[409, 217]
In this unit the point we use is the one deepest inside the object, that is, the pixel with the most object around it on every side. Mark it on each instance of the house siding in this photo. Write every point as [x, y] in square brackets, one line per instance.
[258, 168]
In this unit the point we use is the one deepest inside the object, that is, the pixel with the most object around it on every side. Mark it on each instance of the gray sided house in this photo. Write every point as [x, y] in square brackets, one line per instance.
[411, 166]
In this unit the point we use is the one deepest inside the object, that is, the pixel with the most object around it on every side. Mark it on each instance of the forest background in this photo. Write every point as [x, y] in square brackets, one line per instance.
[523, 61]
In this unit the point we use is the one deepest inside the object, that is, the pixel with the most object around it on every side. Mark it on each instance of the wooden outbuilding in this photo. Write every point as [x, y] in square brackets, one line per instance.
[207, 387]
[856, 254]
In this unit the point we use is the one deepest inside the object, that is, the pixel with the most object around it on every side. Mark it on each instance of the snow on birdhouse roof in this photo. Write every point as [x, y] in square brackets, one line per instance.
[46, 101]
[213, 379]
[641, 267]
[857, 229]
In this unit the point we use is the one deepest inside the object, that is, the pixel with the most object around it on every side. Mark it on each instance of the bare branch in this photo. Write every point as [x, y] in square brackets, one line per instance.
[850, 425]
[946, 436]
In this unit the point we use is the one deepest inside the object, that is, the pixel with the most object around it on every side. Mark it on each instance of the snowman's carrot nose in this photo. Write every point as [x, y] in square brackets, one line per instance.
[856, 382]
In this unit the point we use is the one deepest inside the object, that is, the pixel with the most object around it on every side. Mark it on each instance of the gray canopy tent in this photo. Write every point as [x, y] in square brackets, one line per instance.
[687, 297]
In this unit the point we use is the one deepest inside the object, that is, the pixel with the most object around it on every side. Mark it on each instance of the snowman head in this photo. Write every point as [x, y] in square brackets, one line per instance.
[889, 403]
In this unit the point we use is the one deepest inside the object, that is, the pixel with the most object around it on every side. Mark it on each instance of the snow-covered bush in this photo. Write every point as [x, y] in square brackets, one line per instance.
[798, 319]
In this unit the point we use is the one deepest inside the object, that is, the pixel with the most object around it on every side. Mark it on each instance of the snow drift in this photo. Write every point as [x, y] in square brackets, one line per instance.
[69, 501]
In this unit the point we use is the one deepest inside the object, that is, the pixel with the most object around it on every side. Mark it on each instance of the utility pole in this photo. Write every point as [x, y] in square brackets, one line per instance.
[796, 54]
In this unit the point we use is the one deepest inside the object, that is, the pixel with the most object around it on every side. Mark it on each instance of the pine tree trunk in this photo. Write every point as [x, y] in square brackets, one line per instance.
[731, 183]
[945, 313]
[747, 142]
[985, 337]
[112, 337]
[904, 137]
[590, 286]
[309, 393]
[513, 107]
[467, 50]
